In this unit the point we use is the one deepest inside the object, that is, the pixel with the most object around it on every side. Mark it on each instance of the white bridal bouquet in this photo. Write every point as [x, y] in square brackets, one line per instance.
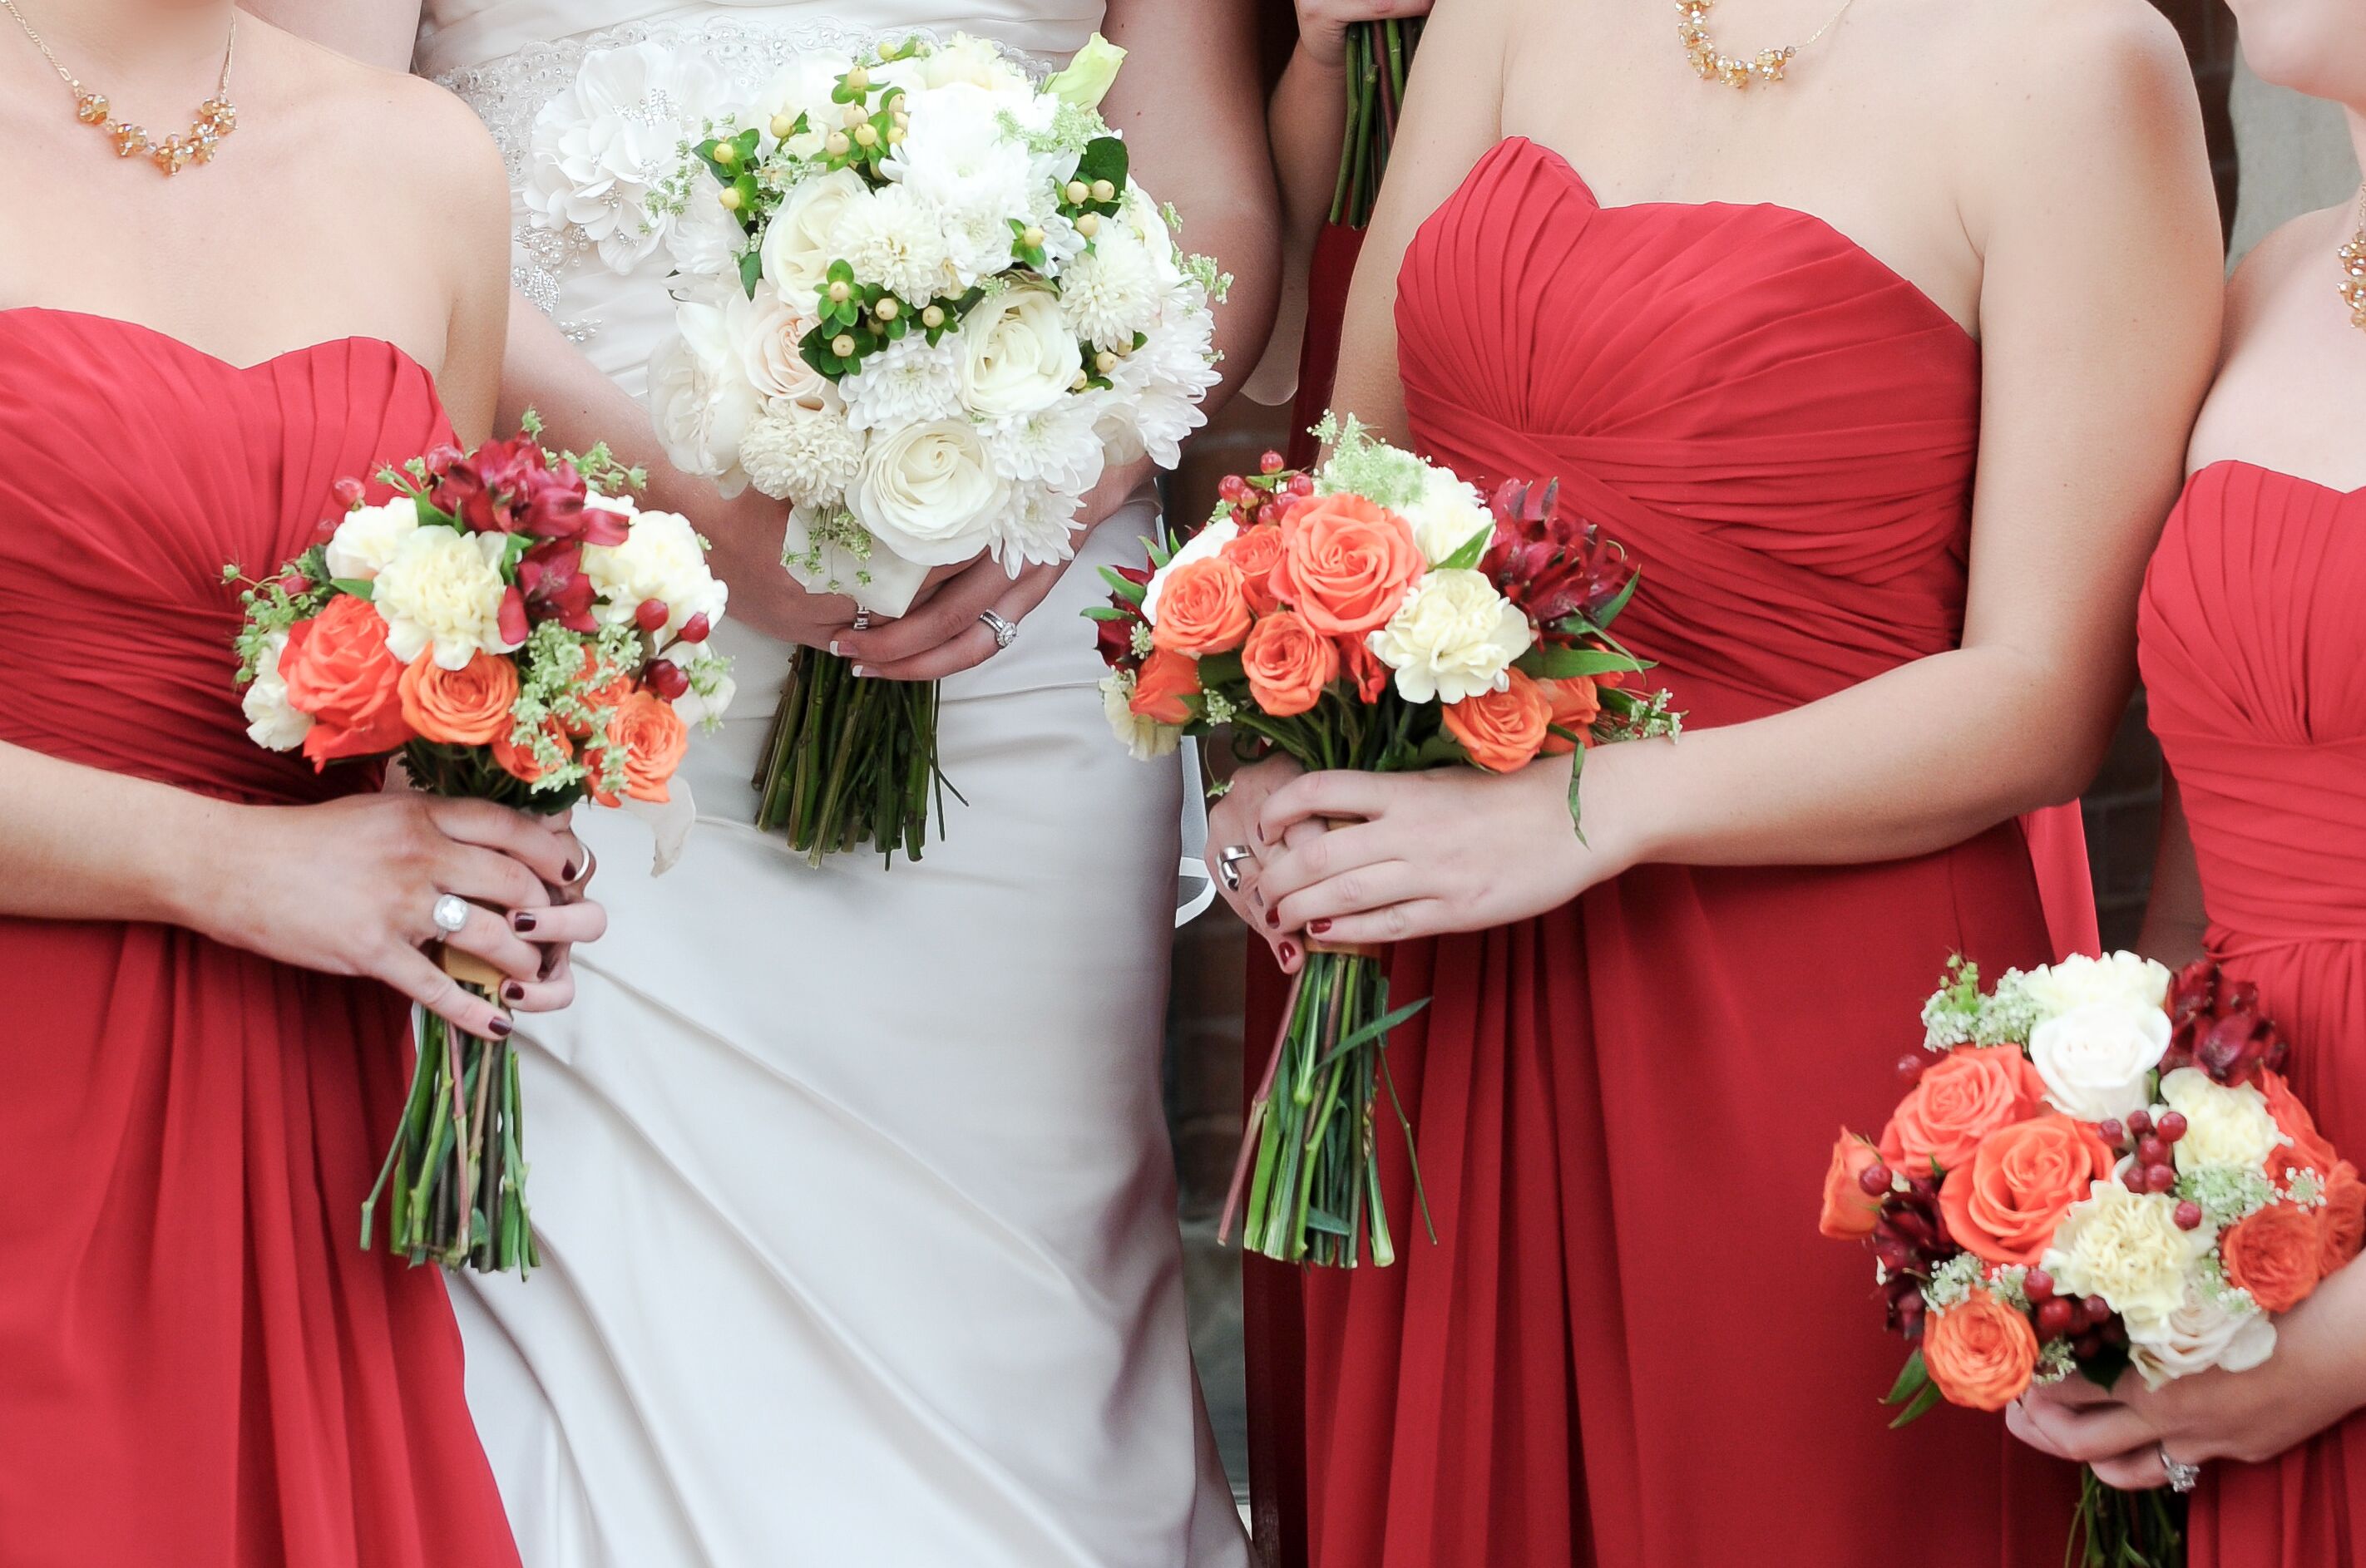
[936, 307]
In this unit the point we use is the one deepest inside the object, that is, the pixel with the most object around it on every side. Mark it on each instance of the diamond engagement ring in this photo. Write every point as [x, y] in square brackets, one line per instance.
[1006, 631]
[451, 914]
[2182, 1478]
[862, 620]
[1228, 864]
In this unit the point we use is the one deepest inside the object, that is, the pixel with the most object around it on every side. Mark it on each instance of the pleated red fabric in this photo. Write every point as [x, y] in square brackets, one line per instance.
[1628, 1346]
[2254, 658]
[199, 1366]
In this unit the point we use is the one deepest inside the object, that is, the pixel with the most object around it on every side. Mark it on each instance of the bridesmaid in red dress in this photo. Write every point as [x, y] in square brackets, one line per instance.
[2254, 655]
[1767, 351]
[199, 1366]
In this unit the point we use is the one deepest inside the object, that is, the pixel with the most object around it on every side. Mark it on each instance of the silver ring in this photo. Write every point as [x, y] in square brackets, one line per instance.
[2182, 1478]
[451, 914]
[1228, 865]
[862, 620]
[1004, 631]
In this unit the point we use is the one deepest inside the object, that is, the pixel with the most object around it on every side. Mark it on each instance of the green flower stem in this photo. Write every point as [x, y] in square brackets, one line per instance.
[850, 761]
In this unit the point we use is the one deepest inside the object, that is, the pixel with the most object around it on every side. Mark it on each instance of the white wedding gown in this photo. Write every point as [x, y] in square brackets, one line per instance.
[852, 1186]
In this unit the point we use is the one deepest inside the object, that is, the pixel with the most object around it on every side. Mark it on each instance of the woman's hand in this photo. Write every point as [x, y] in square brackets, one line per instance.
[744, 535]
[1322, 24]
[1232, 824]
[350, 887]
[1411, 854]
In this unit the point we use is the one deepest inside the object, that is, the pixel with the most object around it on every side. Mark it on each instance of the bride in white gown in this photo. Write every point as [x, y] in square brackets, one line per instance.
[852, 1186]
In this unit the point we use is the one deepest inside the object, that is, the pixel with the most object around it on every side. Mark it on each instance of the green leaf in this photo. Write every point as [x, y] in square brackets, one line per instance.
[1473, 551]
[1565, 664]
[1576, 773]
[1221, 669]
[1105, 158]
[1911, 1379]
[751, 271]
[1130, 592]
[430, 515]
[1107, 612]
[354, 586]
[1921, 1407]
[1610, 612]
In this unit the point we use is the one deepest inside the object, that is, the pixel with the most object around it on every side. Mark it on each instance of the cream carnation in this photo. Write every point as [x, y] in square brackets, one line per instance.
[894, 238]
[1147, 739]
[2218, 1329]
[1453, 637]
[271, 723]
[367, 539]
[928, 493]
[2224, 1127]
[1018, 355]
[442, 591]
[660, 559]
[802, 239]
[805, 455]
[2122, 978]
[2097, 1060]
[2126, 1248]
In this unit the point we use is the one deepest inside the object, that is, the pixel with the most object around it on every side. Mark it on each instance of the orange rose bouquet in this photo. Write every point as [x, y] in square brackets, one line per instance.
[510, 627]
[1372, 614]
[2097, 1169]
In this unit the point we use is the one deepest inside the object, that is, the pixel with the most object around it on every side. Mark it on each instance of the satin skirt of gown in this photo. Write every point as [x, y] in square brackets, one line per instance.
[852, 1186]
[2254, 661]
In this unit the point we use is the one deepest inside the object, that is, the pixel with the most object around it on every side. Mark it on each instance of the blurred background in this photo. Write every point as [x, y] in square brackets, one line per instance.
[2274, 153]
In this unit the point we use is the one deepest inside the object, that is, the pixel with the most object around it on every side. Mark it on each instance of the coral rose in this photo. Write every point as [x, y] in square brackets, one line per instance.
[468, 706]
[1287, 664]
[336, 667]
[1201, 609]
[1364, 667]
[2341, 1223]
[1166, 678]
[519, 762]
[652, 737]
[1256, 553]
[2273, 1254]
[1576, 704]
[1346, 565]
[1848, 1211]
[1961, 1099]
[1501, 730]
[2003, 1205]
[1981, 1352]
[601, 698]
[2309, 1148]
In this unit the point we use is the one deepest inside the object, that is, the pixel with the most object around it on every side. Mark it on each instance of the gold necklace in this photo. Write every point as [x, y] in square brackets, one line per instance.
[217, 116]
[1767, 67]
[2353, 268]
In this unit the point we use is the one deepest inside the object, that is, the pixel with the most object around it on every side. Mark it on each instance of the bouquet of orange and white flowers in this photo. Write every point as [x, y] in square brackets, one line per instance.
[1373, 614]
[2098, 1170]
[510, 627]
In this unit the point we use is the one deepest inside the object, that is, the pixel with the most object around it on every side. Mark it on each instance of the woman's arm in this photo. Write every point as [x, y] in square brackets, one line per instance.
[2175, 923]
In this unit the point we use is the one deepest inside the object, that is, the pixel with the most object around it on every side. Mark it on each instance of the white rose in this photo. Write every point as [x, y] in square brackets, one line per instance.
[972, 60]
[1018, 355]
[2122, 978]
[1209, 541]
[271, 723]
[442, 591]
[660, 559]
[1147, 739]
[2126, 1248]
[802, 241]
[700, 397]
[1449, 515]
[2222, 1126]
[2199, 1335]
[2097, 1060]
[770, 333]
[1453, 637]
[367, 539]
[928, 493]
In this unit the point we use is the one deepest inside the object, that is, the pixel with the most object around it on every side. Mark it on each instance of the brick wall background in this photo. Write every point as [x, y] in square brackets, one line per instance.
[1204, 1024]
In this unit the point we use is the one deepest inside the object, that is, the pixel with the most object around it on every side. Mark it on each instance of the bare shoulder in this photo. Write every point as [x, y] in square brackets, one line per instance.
[2050, 78]
[404, 139]
[2276, 261]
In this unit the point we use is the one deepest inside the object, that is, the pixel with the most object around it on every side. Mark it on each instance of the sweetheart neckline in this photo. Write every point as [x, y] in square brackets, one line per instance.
[2334, 490]
[144, 330]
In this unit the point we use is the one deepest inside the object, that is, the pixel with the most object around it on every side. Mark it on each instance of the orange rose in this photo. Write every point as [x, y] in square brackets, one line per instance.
[2341, 1223]
[652, 736]
[519, 762]
[469, 706]
[1364, 667]
[1576, 704]
[1255, 551]
[1981, 1352]
[1166, 678]
[1202, 609]
[1346, 565]
[2273, 1254]
[2003, 1205]
[338, 671]
[1500, 730]
[1288, 666]
[2309, 1149]
[599, 699]
[1848, 1211]
[1962, 1098]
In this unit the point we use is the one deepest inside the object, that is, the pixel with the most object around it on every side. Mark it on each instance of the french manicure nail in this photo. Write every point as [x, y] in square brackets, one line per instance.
[838, 649]
[500, 1026]
[522, 921]
[513, 991]
[861, 674]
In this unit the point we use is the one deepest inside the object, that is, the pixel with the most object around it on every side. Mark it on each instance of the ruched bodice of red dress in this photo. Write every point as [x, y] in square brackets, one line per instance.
[1629, 1347]
[198, 1365]
[2254, 659]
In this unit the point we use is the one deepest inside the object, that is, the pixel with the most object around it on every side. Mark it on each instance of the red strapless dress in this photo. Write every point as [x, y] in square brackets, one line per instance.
[1629, 1347]
[2253, 657]
[199, 1366]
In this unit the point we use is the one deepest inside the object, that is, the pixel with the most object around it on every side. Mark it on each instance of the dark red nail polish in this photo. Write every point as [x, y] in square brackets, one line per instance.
[513, 991]
[1318, 927]
[1289, 953]
[567, 874]
[522, 921]
[500, 1027]
[1273, 918]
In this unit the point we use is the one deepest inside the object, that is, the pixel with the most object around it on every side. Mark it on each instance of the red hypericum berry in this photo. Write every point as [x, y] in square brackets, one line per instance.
[2112, 1133]
[1233, 488]
[2095, 1311]
[349, 494]
[2053, 1317]
[295, 583]
[651, 615]
[2114, 1332]
[665, 678]
[1271, 463]
[2188, 1215]
[696, 628]
[1302, 484]
[2139, 1122]
[2171, 1126]
[2037, 1284]
[2162, 1178]
[2150, 1150]
[1911, 1066]
[2087, 1347]
[1873, 1180]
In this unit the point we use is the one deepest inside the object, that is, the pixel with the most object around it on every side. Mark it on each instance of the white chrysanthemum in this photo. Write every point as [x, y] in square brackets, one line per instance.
[1454, 637]
[1149, 225]
[442, 591]
[976, 181]
[2228, 1127]
[896, 239]
[1062, 244]
[1209, 541]
[1147, 739]
[2126, 1248]
[905, 384]
[2122, 978]
[1112, 291]
[803, 239]
[270, 721]
[1158, 388]
[801, 454]
[700, 397]
[1448, 517]
[2214, 1327]
[602, 146]
[1038, 529]
[367, 539]
[1056, 449]
[660, 559]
